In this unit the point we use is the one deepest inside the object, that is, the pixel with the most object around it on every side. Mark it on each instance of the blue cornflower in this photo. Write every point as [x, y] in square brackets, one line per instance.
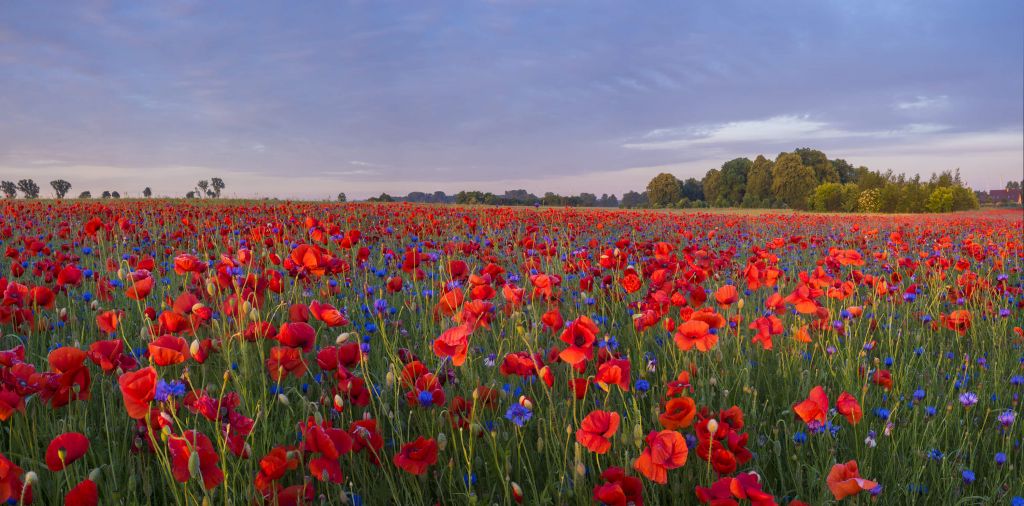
[426, 398]
[642, 385]
[518, 414]
[968, 476]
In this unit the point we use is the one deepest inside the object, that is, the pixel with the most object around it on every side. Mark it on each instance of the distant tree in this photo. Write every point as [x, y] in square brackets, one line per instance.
[1013, 185]
[105, 194]
[608, 200]
[734, 180]
[846, 172]
[964, 199]
[85, 195]
[60, 187]
[341, 197]
[693, 190]
[384, 197]
[28, 188]
[587, 200]
[834, 197]
[115, 195]
[218, 185]
[941, 200]
[190, 195]
[792, 181]
[714, 192]
[147, 192]
[664, 190]
[9, 188]
[203, 188]
[632, 200]
[824, 172]
[759, 183]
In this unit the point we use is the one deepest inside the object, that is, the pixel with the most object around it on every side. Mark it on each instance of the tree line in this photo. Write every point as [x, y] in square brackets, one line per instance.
[806, 179]
[30, 190]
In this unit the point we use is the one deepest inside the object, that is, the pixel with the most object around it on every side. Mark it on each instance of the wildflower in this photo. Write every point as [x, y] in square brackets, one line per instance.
[968, 399]
[518, 414]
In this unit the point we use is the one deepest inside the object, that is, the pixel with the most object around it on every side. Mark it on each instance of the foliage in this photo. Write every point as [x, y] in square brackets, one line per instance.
[147, 192]
[792, 181]
[341, 197]
[664, 190]
[9, 188]
[28, 188]
[85, 195]
[941, 200]
[759, 184]
[60, 187]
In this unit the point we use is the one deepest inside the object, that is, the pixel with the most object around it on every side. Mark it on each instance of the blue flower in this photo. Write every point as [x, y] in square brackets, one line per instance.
[968, 476]
[426, 398]
[518, 414]
[642, 385]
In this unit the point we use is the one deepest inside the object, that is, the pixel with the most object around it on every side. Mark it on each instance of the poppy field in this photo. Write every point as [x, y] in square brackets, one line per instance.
[245, 352]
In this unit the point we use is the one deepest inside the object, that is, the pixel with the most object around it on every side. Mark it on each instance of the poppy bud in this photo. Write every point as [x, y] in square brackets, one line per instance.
[94, 305]
[389, 380]
[246, 307]
[339, 403]
[283, 399]
[211, 288]
[540, 445]
[254, 315]
[194, 347]
[317, 417]
[739, 303]
[712, 426]
[193, 465]
[342, 338]
[517, 492]
[63, 313]
[526, 402]
[442, 442]
[31, 478]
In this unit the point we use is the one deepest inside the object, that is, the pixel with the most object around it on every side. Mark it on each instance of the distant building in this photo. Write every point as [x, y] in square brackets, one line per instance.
[999, 197]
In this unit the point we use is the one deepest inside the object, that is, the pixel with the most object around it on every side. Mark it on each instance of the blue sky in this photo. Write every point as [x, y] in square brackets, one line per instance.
[305, 99]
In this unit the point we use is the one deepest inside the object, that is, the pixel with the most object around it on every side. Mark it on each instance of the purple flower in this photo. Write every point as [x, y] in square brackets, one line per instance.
[968, 399]
[1006, 418]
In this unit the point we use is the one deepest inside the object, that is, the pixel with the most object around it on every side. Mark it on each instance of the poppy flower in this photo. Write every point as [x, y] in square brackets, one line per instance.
[678, 414]
[142, 284]
[416, 457]
[194, 445]
[726, 296]
[665, 450]
[844, 481]
[272, 468]
[168, 350]
[283, 361]
[959, 321]
[814, 408]
[138, 389]
[84, 494]
[297, 335]
[613, 372]
[74, 381]
[327, 314]
[728, 490]
[9, 403]
[596, 430]
[848, 406]
[695, 334]
[107, 321]
[12, 489]
[619, 489]
[580, 336]
[65, 449]
[454, 343]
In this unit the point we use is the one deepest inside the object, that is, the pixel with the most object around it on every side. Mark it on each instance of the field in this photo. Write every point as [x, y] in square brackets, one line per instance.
[244, 352]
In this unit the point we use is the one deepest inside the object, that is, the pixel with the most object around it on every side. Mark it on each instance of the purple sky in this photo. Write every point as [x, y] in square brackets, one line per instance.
[306, 99]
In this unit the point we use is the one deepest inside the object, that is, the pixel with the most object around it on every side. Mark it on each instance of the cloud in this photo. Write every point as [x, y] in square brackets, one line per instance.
[922, 102]
[787, 129]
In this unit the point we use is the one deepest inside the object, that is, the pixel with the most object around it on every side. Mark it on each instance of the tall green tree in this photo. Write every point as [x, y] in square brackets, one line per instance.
[734, 180]
[847, 173]
[693, 190]
[824, 172]
[60, 187]
[664, 190]
[29, 188]
[713, 190]
[759, 183]
[9, 188]
[792, 181]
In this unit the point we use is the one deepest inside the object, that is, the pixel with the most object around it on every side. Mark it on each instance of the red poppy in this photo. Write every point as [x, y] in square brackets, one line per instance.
[814, 408]
[107, 321]
[65, 449]
[665, 450]
[959, 321]
[695, 334]
[327, 314]
[726, 296]
[168, 350]
[613, 372]
[416, 457]
[596, 430]
[844, 480]
[283, 361]
[84, 494]
[848, 406]
[138, 389]
[182, 448]
[454, 343]
[619, 489]
[11, 486]
[272, 468]
[297, 335]
[678, 413]
[580, 336]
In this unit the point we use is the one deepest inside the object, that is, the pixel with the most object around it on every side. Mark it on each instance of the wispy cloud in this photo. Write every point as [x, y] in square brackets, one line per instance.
[786, 129]
[922, 102]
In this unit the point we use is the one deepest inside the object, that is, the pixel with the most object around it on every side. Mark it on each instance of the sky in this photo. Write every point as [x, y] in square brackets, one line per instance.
[308, 99]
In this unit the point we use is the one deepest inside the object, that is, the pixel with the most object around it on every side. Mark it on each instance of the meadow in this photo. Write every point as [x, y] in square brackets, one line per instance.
[247, 352]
